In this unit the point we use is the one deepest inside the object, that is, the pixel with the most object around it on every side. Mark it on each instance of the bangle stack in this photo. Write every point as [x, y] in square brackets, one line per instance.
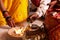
[4, 12]
[7, 16]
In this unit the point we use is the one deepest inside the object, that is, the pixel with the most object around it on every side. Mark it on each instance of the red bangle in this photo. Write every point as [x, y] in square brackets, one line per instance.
[4, 12]
[8, 17]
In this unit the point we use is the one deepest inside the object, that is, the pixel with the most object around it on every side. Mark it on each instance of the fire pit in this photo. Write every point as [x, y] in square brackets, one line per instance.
[16, 33]
[33, 32]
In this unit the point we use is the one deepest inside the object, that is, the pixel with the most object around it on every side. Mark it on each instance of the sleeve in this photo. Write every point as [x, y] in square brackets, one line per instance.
[41, 10]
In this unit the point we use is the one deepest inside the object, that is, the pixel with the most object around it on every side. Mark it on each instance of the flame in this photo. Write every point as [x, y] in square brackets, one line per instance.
[19, 31]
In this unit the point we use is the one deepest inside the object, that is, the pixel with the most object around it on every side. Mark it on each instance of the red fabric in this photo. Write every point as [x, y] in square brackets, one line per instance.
[51, 25]
[50, 22]
[54, 34]
[36, 2]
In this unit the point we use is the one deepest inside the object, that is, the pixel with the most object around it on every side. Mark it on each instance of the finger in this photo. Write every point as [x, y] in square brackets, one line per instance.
[9, 24]
[13, 23]
[32, 16]
[37, 16]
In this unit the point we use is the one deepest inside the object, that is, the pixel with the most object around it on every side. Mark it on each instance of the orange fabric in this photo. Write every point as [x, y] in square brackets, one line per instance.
[17, 9]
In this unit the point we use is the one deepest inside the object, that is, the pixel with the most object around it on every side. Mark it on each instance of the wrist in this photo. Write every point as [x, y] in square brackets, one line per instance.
[5, 14]
[8, 17]
[39, 14]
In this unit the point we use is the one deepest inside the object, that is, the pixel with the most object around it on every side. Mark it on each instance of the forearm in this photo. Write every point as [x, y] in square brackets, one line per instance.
[9, 20]
[3, 9]
[2, 6]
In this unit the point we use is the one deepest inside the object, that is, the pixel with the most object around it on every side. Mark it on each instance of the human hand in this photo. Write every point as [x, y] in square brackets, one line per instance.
[34, 16]
[10, 22]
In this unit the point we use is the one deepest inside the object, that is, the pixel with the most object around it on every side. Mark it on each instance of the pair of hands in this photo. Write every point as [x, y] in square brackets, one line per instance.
[34, 15]
[11, 22]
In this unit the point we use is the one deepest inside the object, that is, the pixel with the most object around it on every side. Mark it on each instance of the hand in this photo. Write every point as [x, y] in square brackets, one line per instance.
[34, 16]
[10, 22]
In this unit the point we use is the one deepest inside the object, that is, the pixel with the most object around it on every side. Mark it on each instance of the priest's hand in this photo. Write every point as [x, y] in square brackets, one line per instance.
[8, 18]
[10, 22]
[34, 16]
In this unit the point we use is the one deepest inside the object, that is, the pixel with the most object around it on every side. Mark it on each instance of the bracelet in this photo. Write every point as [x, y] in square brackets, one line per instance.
[4, 12]
[8, 17]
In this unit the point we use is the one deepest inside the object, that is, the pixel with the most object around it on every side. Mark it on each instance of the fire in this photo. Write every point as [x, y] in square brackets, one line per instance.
[20, 31]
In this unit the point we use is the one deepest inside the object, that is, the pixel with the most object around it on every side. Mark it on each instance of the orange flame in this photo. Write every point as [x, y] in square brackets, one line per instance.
[20, 31]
